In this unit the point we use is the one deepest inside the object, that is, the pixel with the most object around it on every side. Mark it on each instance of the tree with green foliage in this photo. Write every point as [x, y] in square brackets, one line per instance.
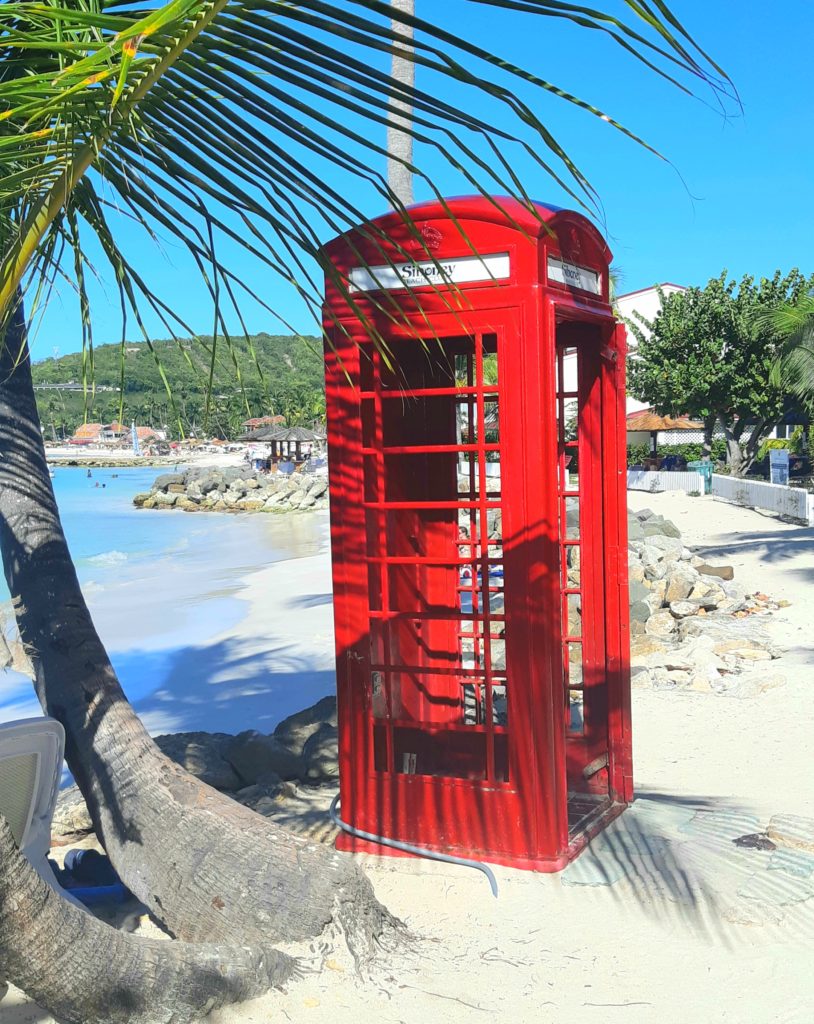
[793, 325]
[709, 353]
[280, 374]
[218, 124]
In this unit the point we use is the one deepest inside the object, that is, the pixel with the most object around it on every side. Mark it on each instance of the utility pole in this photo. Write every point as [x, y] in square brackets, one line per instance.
[399, 141]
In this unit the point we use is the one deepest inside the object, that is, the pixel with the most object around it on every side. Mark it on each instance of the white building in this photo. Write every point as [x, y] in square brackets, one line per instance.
[646, 303]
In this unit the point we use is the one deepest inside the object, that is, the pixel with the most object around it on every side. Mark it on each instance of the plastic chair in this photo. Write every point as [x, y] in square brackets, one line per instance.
[31, 752]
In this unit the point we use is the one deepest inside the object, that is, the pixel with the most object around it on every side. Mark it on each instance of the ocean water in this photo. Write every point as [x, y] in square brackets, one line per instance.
[158, 582]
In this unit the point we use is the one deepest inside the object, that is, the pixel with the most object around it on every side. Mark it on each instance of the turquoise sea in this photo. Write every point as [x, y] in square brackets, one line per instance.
[159, 583]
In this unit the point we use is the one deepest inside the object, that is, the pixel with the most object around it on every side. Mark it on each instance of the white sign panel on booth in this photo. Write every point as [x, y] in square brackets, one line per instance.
[573, 276]
[466, 270]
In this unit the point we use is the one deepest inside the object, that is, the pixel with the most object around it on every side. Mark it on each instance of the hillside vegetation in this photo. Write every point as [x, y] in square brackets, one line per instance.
[268, 375]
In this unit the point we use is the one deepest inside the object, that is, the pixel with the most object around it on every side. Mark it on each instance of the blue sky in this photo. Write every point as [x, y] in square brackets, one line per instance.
[736, 195]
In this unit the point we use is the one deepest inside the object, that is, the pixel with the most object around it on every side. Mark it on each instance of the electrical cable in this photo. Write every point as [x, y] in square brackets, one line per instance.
[419, 851]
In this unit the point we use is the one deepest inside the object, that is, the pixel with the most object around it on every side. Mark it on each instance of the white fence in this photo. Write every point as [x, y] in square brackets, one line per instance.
[654, 480]
[792, 502]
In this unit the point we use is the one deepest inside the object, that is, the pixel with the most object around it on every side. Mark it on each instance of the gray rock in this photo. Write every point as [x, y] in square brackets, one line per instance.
[640, 611]
[683, 609]
[297, 729]
[252, 754]
[638, 591]
[680, 584]
[320, 486]
[724, 572]
[162, 498]
[71, 816]
[162, 482]
[634, 530]
[650, 555]
[321, 753]
[202, 754]
[661, 623]
[671, 546]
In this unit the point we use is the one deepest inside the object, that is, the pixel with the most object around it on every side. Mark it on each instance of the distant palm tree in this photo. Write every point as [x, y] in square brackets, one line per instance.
[794, 366]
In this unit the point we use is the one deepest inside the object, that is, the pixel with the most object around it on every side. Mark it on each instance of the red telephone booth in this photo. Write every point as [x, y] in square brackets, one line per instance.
[476, 430]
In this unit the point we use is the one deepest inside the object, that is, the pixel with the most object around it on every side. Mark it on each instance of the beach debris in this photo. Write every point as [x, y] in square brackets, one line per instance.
[755, 841]
[235, 489]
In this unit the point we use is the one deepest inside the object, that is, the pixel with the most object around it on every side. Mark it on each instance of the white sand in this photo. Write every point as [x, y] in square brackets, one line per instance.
[692, 930]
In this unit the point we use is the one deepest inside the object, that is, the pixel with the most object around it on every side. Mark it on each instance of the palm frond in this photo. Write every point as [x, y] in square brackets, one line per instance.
[255, 122]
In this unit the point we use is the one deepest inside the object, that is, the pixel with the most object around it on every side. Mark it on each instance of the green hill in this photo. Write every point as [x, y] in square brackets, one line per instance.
[284, 376]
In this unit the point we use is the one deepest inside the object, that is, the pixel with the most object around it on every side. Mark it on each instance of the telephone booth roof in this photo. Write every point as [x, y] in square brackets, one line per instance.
[541, 244]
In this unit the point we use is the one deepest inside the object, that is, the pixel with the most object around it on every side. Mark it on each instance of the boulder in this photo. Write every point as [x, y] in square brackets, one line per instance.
[680, 584]
[252, 754]
[71, 816]
[319, 487]
[163, 482]
[140, 499]
[161, 499]
[635, 571]
[251, 485]
[634, 529]
[640, 611]
[202, 754]
[671, 546]
[321, 753]
[683, 609]
[176, 489]
[661, 623]
[294, 731]
[724, 572]
[642, 647]
[638, 591]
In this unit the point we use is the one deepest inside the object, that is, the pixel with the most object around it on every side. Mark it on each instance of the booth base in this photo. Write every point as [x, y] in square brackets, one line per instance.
[348, 843]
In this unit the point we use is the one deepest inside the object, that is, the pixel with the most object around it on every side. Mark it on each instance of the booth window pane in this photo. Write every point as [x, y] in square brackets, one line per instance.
[439, 693]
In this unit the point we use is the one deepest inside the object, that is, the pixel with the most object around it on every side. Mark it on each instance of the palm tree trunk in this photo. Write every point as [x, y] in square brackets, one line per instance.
[207, 867]
[399, 141]
[85, 972]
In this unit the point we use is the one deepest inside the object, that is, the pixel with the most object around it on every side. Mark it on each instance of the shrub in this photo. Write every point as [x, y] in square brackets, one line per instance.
[637, 453]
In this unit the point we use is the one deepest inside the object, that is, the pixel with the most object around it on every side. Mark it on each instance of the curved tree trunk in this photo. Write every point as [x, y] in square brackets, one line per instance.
[85, 972]
[208, 868]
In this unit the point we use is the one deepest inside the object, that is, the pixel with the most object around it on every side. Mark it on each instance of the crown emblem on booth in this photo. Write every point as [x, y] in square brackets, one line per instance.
[429, 238]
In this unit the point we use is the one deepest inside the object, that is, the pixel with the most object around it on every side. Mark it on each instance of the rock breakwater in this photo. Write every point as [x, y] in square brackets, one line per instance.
[235, 490]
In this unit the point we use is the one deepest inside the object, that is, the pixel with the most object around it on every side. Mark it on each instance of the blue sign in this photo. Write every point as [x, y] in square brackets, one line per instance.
[779, 465]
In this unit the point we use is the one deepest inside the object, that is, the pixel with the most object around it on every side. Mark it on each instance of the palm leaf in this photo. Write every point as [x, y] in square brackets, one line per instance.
[213, 120]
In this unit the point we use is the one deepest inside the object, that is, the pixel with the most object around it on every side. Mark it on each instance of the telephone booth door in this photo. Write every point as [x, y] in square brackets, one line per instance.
[580, 471]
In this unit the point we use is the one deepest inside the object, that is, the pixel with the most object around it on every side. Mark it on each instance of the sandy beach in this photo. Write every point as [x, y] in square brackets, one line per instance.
[664, 919]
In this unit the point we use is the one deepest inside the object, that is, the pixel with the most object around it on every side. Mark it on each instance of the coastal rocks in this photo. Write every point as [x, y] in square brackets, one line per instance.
[693, 627]
[252, 755]
[202, 754]
[71, 816]
[235, 490]
[295, 731]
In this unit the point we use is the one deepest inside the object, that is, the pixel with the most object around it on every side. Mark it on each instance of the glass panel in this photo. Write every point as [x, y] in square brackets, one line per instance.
[436, 672]
[574, 625]
[572, 518]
